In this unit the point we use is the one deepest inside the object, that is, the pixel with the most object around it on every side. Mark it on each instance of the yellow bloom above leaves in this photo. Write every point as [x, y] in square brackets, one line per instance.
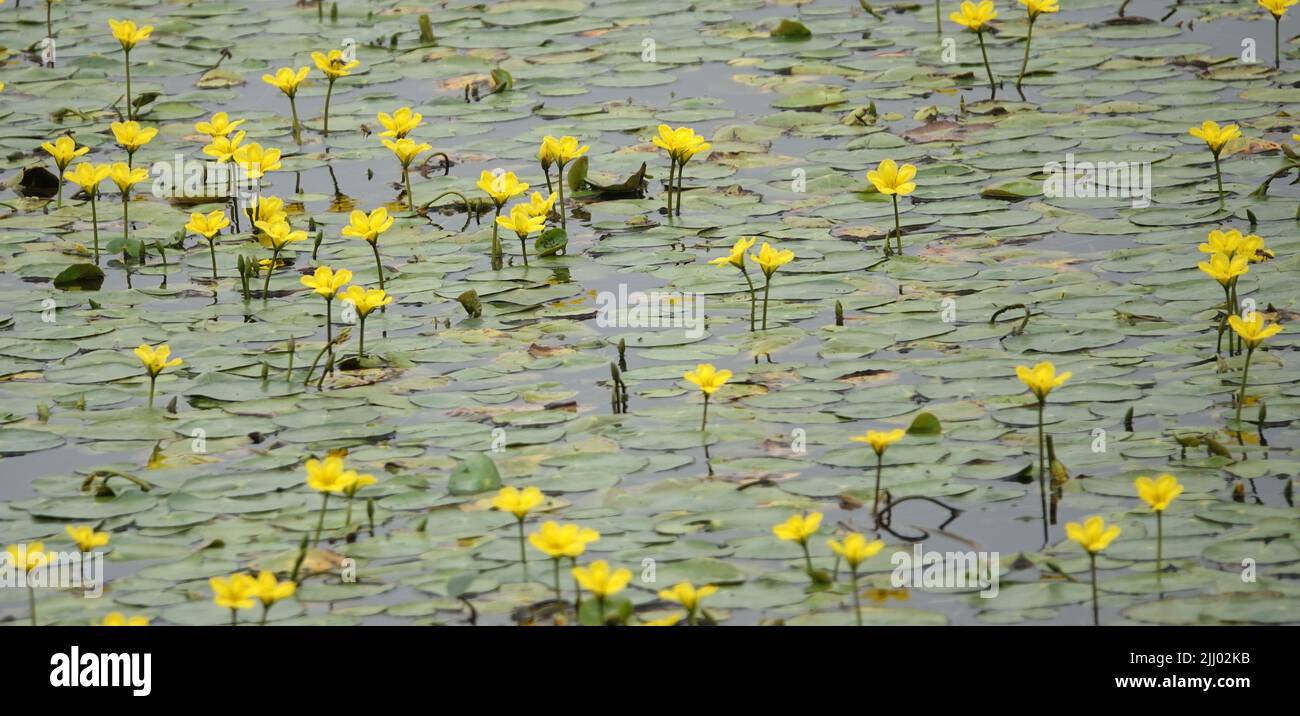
[1039, 7]
[118, 619]
[287, 79]
[131, 135]
[271, 590]
[1253, 330]
[64, 149]
[1277, 8]
[556, 540]
[237, 591]
[128, 34]
[501, 187]
[1224, 269]
[600, 580]
[855, 549]
[219, 126]
[400, 123]
[125, 177]
[156, 360]
[1215, 137]
[737, 256]
[85, 537]
[518, 502]
[880, 440]
[1093, 535]
[889, 178]
[334, 64]
[1158, 493]
[368, 226]
[1042, 378]
[87, 176]
[686, 594]
[406, 150]
[770, 259]
[974, 17]
[327, 282]
[707, 378]
[522, 221]
[366, 300]
[208, 225]
[329, 475]
[562, 150]
[799, 527]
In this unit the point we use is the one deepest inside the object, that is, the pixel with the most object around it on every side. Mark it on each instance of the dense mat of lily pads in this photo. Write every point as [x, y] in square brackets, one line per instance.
[404, 480]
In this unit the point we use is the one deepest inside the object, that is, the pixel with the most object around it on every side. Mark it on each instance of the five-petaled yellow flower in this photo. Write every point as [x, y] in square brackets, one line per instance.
[118, 619]
[522, 221]
[540, 207]
[267, 209]
[270, 590]
[327, 282]
[368, 226]
[556, 540]
[1158, 493]
[287, 79]
[329, 475]
[219, 126]
[889, 178]
[518, 502]
[125, 177]
[1215, 137]
[1093, 535]
[131, 136]
[128, 34]
[600, 581]
[64, 150]
[257, 161]
[406, 149]
[366, 300]
[237, 591]
[224, 149]
[334, 64]
[277, 233]
[799, 527]
[1277, 7]
[86, 537]
[1038, 7]
[501, 187]
[399, 123]
[707, 378]
[974, 17]
[687, 595]
[681, 143]
[737, 256]
[207, 225]
[769, 259]
[855, 549]
[1042, 378]
[879, 440]
[1253, 330]
[155, 360]
[1224, 268]
[563, 150]
[28, 557]
[87, 176]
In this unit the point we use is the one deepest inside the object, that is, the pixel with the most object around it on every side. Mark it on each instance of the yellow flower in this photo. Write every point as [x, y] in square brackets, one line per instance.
[880, 440]
[681, 143]
[223, 149]
[537, 206]
[29, 556]
[86, 537]
[799, 527]
[328, 475]
[87, 176]
[268, 209]
[399, 123]
[334, 65]
[64, 150]
[685, 594]
[1215, 137]
[707, 378]
[1093, 535]
[521, 221]
[855, 549]
[1042, 378]
[1221, 242]
[270, 590]
[128, 34]
[368, 226]
[155, 360]
[600, 581]
[277, 234]
[563, 150]
[670, 620]
[1158, 493]
[234, 592]
[219, 126]
[326, 282]
[974, 17]
[501, 187]
[118, 619]
[1252, 330]
[737, 256]
[131, 136]
[1224, 269]
[1253, 248]
[889, 178]
[257, 161]
[547, 158]
[769, 259]
[556, 540]
[209, 225]
[287, 80]
[366, 299]
[1277, 7]
[1038, 7]
[406, 150]
[360, 482]
[518, 502]
[125, 177]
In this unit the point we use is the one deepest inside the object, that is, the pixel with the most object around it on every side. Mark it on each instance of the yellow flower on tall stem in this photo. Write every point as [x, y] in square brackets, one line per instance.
[519, 503]
[546, 158]
[1094, 536]
[125, 177]
[325, 282]
[681, 144]
[406, 150]
[276, 234]
[63, 150]
[89, 176]
[1158, 493]
[271, 590]
[1226, 269]
[562, 151]
[238, 591]
[879, 441]
[328, 477]
[540, 206]
[769, 260]
[365, 300]
[131, 136]
[798, 529]
[500, 187]
[118, 619]
[219, 126]
[687, 595]
[368, 227]
[256, 160]
[523, 223]
[27, 557]
[85, 537]
[1216, 138]
[855, 549]
[400, 123]
[208, 226]
[737, 258]
[1277, 8]
[155, 361]
[893, 181]
[334, 65]
[708, 379]
[128, 35]
[288, 80]
[1041, 380]
[1034, 8]
[1253, 332]
[975, 18]
[602, 582]
[558, 541]
[351, 490]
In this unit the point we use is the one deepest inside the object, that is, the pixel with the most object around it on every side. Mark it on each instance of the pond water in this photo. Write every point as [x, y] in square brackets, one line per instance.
[1113, 292]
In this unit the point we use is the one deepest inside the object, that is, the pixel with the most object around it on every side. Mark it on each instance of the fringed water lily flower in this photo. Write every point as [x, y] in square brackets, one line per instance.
[855, 549]
[879, 440]
[1033, 8]
[334, 64]
[1216, 138]
[523, 222]
[519, 503]
[769, 260]
[1041, 380]
[63, 150]
[85, 537]
[1094, 536]
[681, 144]
[89, 176]
[687, 595]
[271, 590]
[128, 35]
[798, 529]
[500, 188]
[975, 18]
[893, 181]
[1158, 493]
[238, 591]
[288, 80]
[737, 258]
[131, 136]
[558, 541]
[1277, 8]
[400, 123]
[602, 582]
[562, 151]
[708, 379]
[365, 301]
[219, 126]
[328, 477]
[1253, 331]
[406, 150]
[208, 226]
[125, 177]
[155, 361]
[276, 234]
[118, 619]
[326, 283]
[368, 227]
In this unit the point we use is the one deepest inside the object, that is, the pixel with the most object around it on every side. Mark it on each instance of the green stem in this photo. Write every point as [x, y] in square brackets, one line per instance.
[600, 604]
[1029, 37]
[1277, 42]
[234, 617]
[523, 555]
[329, 92]
[153, 379]
[880, 466]
[329, 336]
[577, 588]
[681, 179]
[857, 600]
[752, 297]
[993, 90]
[94, 224]
[1160, 540]
[807, 558]
[266, 610]
[347, 516]
[212, 249]
[1218, 175]
[297, 132]
[1241, 397]
[1092, 560]
[523, 245]
[361, 344]
[320, 522]
[60, 187]
[1042, 469]
[564, 220]
[266, 283]
[130, 112]
[496, 241]
[704, 418]
[767, 287]
[555, 563]
[668, 186]
[938, 23]
[410, 196]
[379, 266]
[898, 227]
